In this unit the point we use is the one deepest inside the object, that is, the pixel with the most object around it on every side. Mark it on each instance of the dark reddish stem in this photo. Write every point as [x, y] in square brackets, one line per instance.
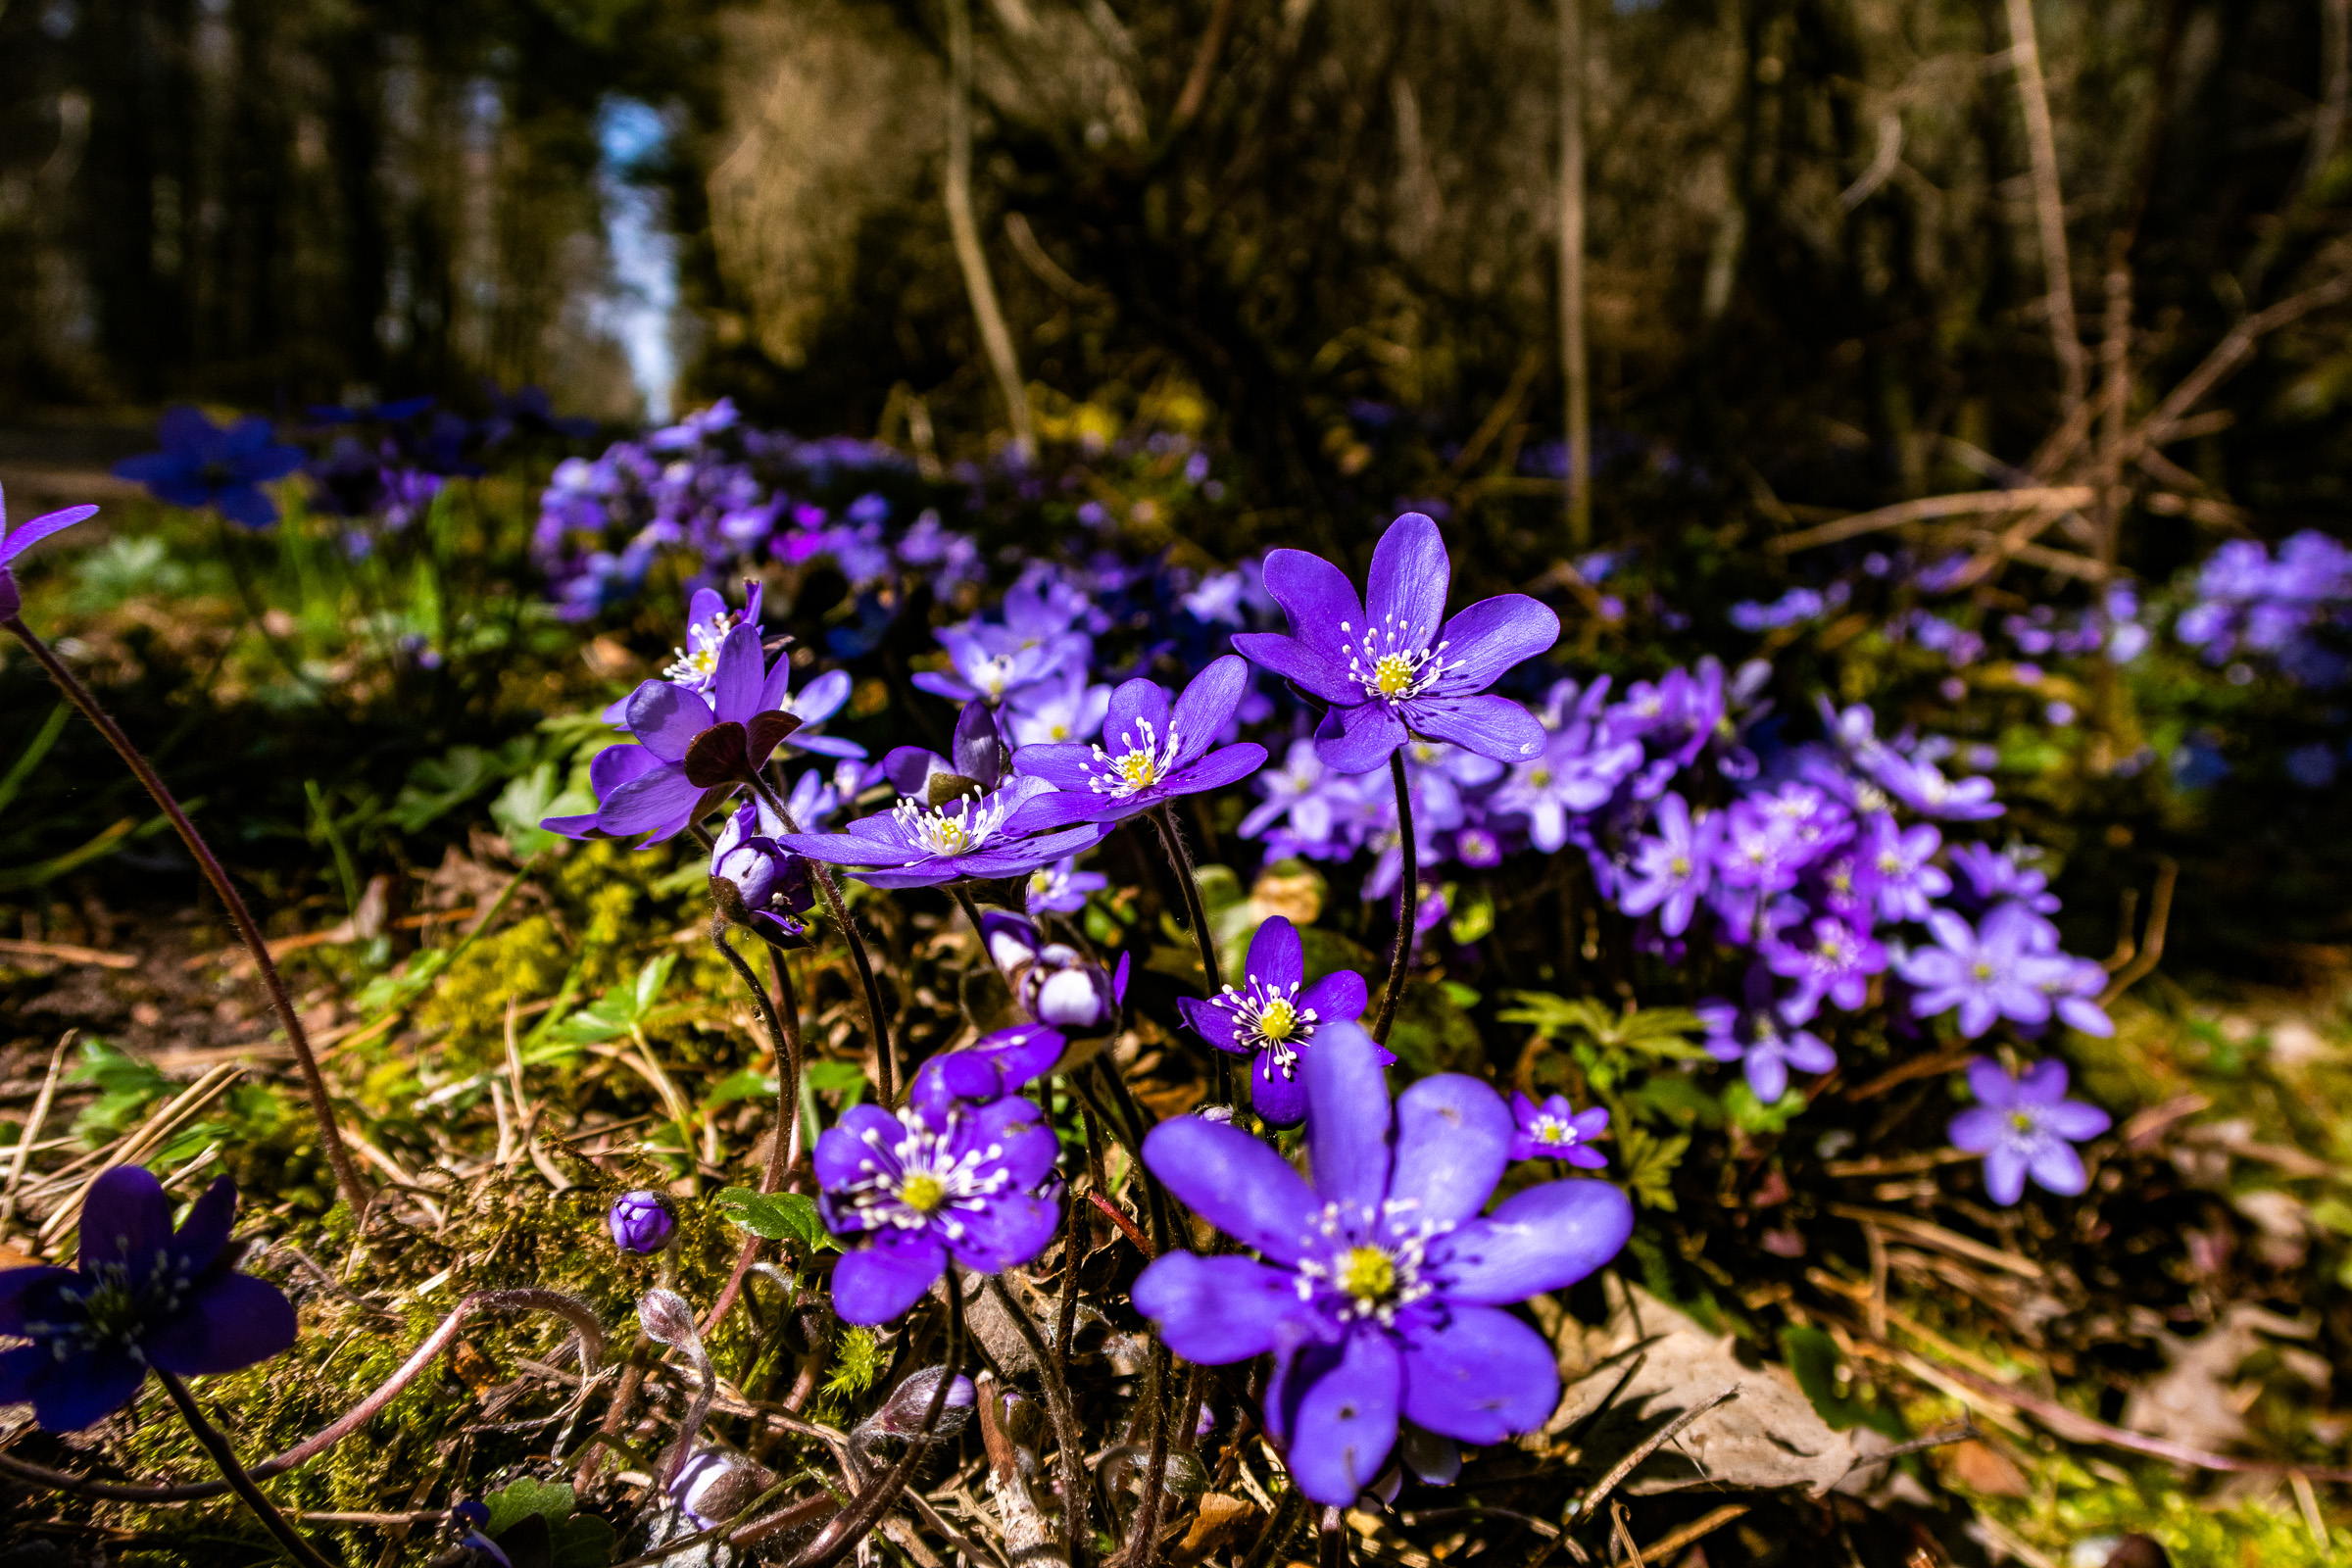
[226, 1459]
[884, 1068]
[355, 1191]
[1408, 900]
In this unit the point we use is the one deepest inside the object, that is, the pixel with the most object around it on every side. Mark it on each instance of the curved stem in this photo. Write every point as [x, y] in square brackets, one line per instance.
[884, 1067]
[278, 1524]
[1065, 1414]
[784, 1144]
[1408, 900]
[355, 1191]
[1172, 839]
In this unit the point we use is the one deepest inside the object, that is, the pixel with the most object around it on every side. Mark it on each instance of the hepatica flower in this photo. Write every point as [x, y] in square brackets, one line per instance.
[1270, 1018]
[1670, 871]
[1988, 972]
[2025, 1127]
[1558, 1130]
[943, 1177]
[1392, 665]
[203, 464]
[143, 1295]
[1061, 888]
[1151, 753]
[13, 542]
[1763, 1041]
[1380, 1289]
[977, 836]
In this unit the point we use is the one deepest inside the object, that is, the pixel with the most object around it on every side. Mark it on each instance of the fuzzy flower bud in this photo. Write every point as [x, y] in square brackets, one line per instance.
[642, 1222]
[714, 1485]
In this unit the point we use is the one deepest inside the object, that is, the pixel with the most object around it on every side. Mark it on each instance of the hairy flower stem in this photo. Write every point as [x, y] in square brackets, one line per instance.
[1064, 1415]
[1331, 1549]
[355, 1191]
[1408, 900]
[1144, 1538]
[884, 1067]
[865, 1510]
[784, 1142]
[1196, 914]
[225, 1457]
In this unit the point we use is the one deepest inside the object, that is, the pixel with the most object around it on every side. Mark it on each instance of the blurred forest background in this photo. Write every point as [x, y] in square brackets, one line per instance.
[1817, 241]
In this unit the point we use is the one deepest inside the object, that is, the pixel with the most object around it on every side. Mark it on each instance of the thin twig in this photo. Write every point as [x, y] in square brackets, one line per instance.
[1583, 1509]
[1575, 360]
[964, 230]
[239, 1482]
[2151, 947]
[2049, 205]
[32, 1128]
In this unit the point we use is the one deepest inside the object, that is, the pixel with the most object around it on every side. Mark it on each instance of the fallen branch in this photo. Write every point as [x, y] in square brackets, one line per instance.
[1927, 508]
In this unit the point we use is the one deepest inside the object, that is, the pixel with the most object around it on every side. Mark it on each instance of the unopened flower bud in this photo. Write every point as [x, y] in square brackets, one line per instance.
[1065, 990]
[902, 1414]
[668, 1318]
[714, 1485]
[642, 1222]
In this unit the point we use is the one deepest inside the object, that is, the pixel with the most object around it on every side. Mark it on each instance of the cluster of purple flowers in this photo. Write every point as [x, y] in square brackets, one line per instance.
[2294, 608]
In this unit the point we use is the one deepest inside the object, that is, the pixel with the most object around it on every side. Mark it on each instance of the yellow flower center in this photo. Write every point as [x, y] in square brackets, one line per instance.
[1138, 768]
[1393, 675]
[1368, 1274]
[1982, 971]
[1279, 1021]
[1540, 778]
[1679, 864]
[923, 1193]
[2022, 1121]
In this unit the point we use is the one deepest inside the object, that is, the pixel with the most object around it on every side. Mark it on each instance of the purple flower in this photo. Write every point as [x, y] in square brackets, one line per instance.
[692, 753]
[1054, 982]
[988, 1070]
[1059, 888]
[770, 882]
[13, 542]
[2025, 1126]
[1269, 1018]
[642, 1222]
[1306, 797]
[943, 1177]
[1062, 707]
[1579, 769]
[1670, 871]
[1386, 666]
[2075, 986]
[204, 465]
[1899, 863]
[1381, 1289]
[1987, 973]
[1993, 876]
[1556, 1130]
[976, 837]
[143, 1295]
[1159, 752]
[1760, 1038]
[1837, 963]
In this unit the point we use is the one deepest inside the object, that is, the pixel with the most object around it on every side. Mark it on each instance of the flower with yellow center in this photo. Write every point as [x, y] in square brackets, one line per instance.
[1142, 764]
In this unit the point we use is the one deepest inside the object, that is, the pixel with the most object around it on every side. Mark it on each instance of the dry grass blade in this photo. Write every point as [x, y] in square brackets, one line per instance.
[1920, 1233]
[1929, 509]
[32, 1127]
[146, 1141]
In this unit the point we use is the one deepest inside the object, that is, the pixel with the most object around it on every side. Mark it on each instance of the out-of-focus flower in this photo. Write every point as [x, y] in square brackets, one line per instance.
[2025, 1127]
[1670, 871]
[13, 542]
[1381, 1289]
[1273, 1021]
[642, 1222]
[1059, 709]
[1392, 663]
[771, 885]
[1987, 973]
[1903, 879]
[1558, 1130]
[1759, 1037]
[1061, 889]
[201, 465]
[141, 1295]
[1836, 964]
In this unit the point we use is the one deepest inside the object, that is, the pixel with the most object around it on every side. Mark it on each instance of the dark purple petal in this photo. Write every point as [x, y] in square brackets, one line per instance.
[1542, 1239]
[854, 848]
[616, 765]
[876, 1282]
[1277, 958]
[1216, 1310]
[1349, 1116]
[232, 1321]
[1344, 1424]
[1482, 1377]
[31, 534]
[204, 1232]
[1016, 859]
[1227, 765]
[1236, 1183]
[1340, 997]
[1302, 664]
[1491, 637]
[1211, 1023]
[1018, 1125]
[69, 1395]
[666, 719]
[1315, 594]
[656, 803]
[246, 506]
[1492, 726]
[1011, 1231]
[842, 1152]
[126, 1218]
[735, 684]
[1206, 707]
[1359, 739]
[1453, 1138]
[1135, 703]
[1408, 581]
[184, 431]
[1278, 1097]
[30, 1293]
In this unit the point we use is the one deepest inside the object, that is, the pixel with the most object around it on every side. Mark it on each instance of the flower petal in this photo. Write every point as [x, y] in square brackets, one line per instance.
[1134, 704]
[204, 1232]
[735, 684]
[649, 804]
[1453, 1138]
[1236, 1183]
[1206, 707]
[245, 505]
[1061, 763]
[1539, 1240]
[1305, 667]
[1278, 1096]
[1340, 997]
[1011, 1231]
[1359, 739]
[1228, 765]
[69, 1395]
[1277, 958]
[1489, 725]
[2076, 1121]
[13, 545]
[232, 1321]
[2004, 1172]
[1344, 1423]
[668, 718]
[1018, 1126]
[1491, 637]
[1409, 578]
[881, 1281]
[126, 1218]
[2057, 1167]
[1216, 1310]
[1482, 1377]
[1210, 1022]
[1315, 594]
[842, 1150]
[1349, 1117]
[30, 1293]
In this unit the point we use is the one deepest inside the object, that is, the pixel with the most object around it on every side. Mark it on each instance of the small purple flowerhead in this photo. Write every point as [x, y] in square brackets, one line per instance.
[714, 1485]
[203, 464]
[1152, 750]
[1052, 981]
[1670, 873]
[1558, 1130]
[1762, 1039]
[1381, 1285]
[1273, 1017]
[13, 542]
[142, 1295]
[2027, 1127]
[642, 1222]
[1386, 666]
[989, 1068]
[1061, 889]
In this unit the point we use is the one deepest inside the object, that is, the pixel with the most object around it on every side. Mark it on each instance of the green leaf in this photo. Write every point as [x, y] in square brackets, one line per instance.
[651, 979]
[1813, 1356]
[529, 798]
[744, 1085]
[776, 1216]
[1474, 920]
[844, 1078]
[126, 1085]
[1752, 1115]
[584, 1542]
[509, 1506]
[1649, 1162]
